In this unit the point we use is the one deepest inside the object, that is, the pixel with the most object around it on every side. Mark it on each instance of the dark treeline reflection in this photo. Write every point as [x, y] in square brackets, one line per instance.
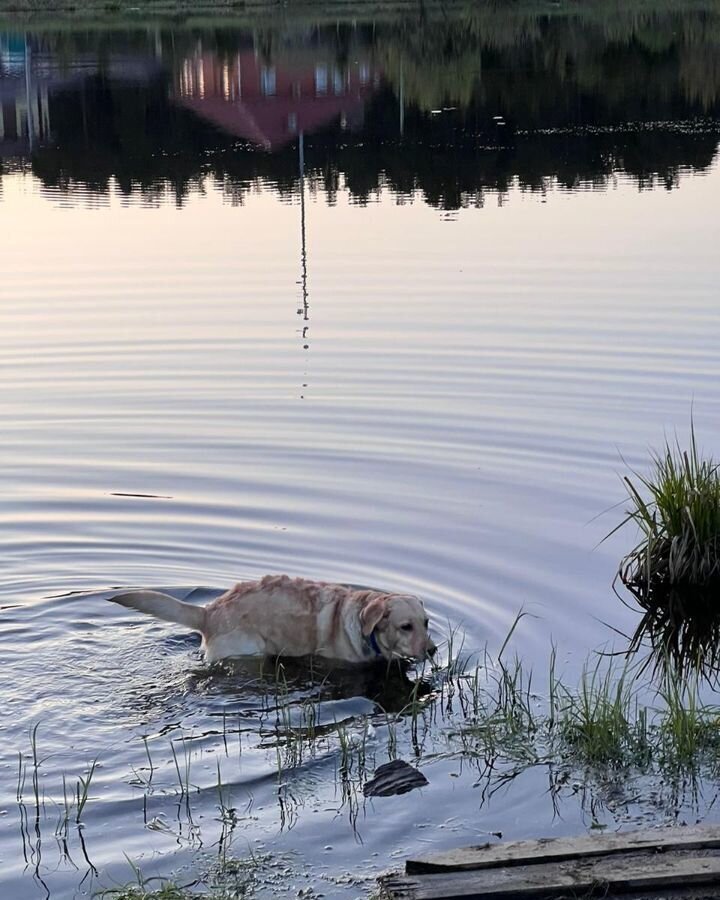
[450, 108]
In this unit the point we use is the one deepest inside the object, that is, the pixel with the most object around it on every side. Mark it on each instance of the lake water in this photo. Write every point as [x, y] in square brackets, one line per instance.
[387, 302]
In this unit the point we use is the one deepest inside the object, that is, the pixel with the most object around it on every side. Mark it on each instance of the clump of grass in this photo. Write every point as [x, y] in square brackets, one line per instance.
[229, 878]
[599, 722]
[497, 702]
[501, 731]
[688, 728]
[608, 729]
[168, 891]
[674, 571]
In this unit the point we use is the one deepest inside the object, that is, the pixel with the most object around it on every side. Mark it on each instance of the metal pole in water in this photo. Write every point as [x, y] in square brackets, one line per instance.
[303, 251]
[304, 309]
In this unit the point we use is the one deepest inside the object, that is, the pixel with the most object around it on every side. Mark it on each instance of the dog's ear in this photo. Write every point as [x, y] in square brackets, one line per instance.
[372, 612]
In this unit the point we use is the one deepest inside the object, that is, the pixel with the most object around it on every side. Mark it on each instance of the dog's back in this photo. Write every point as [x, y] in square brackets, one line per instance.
[277, 615]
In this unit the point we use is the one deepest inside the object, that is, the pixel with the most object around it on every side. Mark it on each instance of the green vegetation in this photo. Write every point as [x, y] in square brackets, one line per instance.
[611, 731]
[73, 799]
[597, 730]
[228, 879]
[168, 891]
[680, 521]
[598, 722]
[674, 571]
[231, 880]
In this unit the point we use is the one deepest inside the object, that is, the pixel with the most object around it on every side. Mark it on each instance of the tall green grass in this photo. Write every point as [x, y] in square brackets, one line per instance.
[607, 731]
[599, 721]
[677, 509]
[674, 571]
[610, 721]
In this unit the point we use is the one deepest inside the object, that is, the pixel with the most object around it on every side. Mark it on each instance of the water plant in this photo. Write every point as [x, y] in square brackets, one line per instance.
[228, 813]
[143, 890]
[597, 720]
[602, 737]
[688, 727]
[605, 730]
[184, 774]
[82, 789]
[673, 572]
[226, 878]
[168, 891]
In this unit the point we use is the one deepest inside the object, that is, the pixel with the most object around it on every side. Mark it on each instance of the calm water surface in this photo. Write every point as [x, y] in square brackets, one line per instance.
[384, 303]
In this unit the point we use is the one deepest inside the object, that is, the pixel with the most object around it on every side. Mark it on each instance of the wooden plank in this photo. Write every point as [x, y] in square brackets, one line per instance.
[573, 878]
[514, 853]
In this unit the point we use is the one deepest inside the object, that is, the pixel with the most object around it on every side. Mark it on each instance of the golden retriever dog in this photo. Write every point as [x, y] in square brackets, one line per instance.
[281, 616]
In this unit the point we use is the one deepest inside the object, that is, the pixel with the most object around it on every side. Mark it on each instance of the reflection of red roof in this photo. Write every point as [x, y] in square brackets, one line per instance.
[265, 121]
[234, 118]
[270, 105]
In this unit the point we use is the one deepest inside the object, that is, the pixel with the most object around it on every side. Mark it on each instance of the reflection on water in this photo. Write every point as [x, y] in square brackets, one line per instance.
[269, 104]
[237, 338]
[450, 108]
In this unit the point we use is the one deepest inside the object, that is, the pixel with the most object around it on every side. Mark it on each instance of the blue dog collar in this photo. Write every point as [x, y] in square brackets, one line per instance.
[372, 640]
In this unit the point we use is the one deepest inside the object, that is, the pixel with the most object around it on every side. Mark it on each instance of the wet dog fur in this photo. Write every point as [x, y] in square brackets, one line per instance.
[282, 616]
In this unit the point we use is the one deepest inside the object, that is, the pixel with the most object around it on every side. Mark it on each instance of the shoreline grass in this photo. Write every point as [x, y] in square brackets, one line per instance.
[673, 573]
[610, 724]
[609, 730]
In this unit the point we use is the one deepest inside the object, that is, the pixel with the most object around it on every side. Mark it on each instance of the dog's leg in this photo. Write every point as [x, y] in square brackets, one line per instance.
[163, 606]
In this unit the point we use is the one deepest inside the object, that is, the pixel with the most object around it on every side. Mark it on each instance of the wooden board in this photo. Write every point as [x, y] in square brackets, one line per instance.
[578, 878]
[514, 853]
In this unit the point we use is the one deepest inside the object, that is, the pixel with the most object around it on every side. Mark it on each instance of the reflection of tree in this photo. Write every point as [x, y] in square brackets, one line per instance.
[450, 171]
[700, 76]
[150, 149]
[128, 133]
[533, 67]
[438, 65]
[567, 85]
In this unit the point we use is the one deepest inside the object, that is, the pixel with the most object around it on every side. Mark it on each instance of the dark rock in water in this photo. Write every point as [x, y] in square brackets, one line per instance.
[396, 777]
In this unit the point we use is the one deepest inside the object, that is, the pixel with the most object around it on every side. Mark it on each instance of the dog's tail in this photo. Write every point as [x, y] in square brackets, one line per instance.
[163, 606]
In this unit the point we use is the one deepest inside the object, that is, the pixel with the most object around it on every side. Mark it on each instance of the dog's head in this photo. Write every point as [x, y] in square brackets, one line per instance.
[400, 625]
